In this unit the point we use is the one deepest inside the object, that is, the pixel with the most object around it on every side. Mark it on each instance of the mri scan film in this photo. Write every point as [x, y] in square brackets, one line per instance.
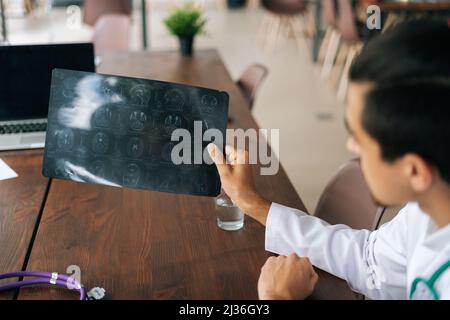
[117, 131]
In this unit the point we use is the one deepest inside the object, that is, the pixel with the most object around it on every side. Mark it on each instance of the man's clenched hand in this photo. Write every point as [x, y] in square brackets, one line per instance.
[286, 278]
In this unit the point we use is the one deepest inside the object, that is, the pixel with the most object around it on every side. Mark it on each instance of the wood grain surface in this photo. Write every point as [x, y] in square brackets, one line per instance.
[21, 199]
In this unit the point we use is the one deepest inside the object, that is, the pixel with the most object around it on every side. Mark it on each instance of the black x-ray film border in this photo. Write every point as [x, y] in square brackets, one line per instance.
[164, 83]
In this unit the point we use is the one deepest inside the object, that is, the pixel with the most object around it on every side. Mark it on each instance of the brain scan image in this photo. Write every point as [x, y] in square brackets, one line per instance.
[62, 170]
[172, 122]
[100, 143]
[118, 131]
[65, 139]
[108, 91]
[174, 100]
[138, 120]
[111, 88]
[209, 103]
[103, 117]
[98, 168]
[131, 174]
[135, 147]
[81, 152]
[140, 95]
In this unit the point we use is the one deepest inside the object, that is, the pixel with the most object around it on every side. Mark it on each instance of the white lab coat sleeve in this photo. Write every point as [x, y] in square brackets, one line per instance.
[372, 263]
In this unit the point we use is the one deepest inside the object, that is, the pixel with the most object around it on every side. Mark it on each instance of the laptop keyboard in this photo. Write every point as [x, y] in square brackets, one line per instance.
[24, 127]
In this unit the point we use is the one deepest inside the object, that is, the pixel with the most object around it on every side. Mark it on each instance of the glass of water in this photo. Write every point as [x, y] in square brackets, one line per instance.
[229, 216]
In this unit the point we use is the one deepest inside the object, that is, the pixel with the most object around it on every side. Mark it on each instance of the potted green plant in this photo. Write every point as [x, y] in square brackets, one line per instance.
[234, 4]
[186, 22]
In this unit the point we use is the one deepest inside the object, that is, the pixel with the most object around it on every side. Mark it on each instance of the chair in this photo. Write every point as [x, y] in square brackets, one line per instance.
[284, 17]
[111, 33]
[332, 37]
[94, 9]
[347, 200]
[251, 80]
[347, 25]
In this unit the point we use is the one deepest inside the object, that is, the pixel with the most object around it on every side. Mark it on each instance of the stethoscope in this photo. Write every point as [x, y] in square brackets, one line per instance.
[52, 278]
[423, 288]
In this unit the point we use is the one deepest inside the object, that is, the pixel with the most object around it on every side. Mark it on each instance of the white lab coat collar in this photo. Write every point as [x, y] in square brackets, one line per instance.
[431, 252]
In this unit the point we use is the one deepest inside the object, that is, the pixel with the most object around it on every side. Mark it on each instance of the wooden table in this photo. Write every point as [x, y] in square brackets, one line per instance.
[140, 244]
[21, 201]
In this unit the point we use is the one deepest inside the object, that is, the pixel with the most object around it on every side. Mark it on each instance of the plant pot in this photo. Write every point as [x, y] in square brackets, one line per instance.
[186, 45]
[234, 4]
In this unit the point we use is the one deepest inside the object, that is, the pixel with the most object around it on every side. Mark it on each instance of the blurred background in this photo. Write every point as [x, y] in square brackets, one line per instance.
[290, 55]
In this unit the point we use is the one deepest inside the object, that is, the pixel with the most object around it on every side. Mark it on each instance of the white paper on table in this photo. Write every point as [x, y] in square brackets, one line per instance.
[6, 172]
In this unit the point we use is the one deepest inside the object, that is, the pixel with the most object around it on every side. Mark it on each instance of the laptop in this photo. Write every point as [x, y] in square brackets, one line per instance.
[25, 78]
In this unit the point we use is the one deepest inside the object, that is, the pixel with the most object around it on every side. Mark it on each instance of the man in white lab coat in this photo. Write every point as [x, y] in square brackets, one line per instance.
[398, 117]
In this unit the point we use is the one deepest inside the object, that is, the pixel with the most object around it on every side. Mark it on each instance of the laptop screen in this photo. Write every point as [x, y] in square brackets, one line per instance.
[26, 71]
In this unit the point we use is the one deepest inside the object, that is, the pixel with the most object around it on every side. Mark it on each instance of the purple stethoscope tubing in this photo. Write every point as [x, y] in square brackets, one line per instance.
[42, 278]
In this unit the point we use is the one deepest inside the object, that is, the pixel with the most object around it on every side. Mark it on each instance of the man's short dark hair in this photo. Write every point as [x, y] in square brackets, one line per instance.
[408, 109]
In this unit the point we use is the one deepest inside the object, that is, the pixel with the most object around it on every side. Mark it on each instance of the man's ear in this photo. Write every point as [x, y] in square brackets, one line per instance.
[418, 171]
